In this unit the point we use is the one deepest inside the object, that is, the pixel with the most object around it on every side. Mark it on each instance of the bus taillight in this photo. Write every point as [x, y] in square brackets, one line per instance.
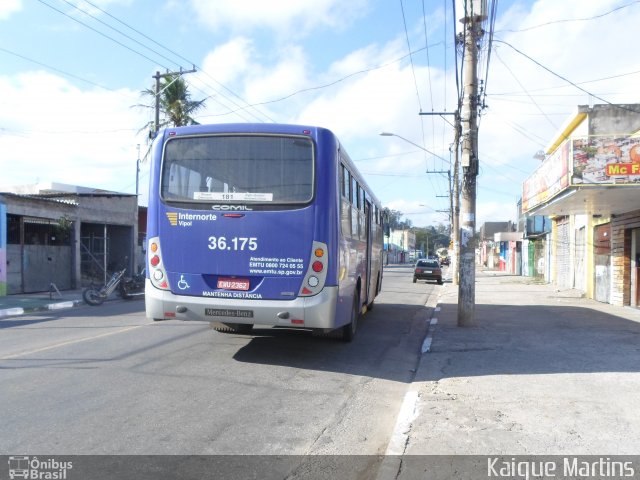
[157, 274]
[316, 275]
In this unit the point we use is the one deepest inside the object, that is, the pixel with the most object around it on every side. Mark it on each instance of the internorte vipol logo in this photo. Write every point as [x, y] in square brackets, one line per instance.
[38, 469]
[179, 219]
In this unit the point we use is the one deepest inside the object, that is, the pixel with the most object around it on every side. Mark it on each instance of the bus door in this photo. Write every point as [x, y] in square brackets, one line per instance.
[370, 287]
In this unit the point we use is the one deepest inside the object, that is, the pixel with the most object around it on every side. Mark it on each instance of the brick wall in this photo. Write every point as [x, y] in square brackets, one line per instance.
[621, 228]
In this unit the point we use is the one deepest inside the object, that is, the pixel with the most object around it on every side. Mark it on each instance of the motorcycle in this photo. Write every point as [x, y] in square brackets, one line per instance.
[128, 288]
[132, 287]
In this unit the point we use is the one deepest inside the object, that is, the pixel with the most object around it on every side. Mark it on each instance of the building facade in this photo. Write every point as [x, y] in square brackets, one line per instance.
[63, 236]
[589, 187]
[401, 243]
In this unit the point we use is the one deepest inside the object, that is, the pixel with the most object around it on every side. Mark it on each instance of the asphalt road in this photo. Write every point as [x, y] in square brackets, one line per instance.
[105, 380]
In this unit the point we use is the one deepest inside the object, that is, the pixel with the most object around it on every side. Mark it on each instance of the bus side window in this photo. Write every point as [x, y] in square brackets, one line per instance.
[353, 194]
[345, 207]
[355, 214]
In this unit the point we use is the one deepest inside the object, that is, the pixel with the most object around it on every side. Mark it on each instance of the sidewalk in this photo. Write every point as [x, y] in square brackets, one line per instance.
[15, 305]
[543, 372]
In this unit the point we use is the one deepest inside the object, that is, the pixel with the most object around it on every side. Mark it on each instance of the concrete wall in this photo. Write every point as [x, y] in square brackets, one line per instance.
[608, 119]
[38, 266]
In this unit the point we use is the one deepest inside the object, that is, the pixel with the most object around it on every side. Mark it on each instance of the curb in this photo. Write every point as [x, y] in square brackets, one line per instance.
[409, 409]
[17, 311]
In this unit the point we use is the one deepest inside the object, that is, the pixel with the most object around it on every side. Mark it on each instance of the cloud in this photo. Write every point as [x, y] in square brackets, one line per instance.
[286, 16]
[8, 7]
[82, 137]
[228, 61]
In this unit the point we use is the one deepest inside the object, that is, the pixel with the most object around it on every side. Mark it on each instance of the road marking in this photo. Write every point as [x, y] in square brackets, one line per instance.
[60, 305]
[398, 441]
[7, 312]
[426, 345]
[71, 342]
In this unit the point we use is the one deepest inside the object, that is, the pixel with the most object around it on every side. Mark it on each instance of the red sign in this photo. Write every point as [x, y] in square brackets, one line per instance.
[623, 169]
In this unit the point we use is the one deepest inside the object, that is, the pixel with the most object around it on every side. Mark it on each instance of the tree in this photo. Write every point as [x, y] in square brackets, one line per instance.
[392, 218]
[433, 238]
[176, 106]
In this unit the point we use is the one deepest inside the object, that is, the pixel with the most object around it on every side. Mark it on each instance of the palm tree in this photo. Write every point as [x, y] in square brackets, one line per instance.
[176, 106]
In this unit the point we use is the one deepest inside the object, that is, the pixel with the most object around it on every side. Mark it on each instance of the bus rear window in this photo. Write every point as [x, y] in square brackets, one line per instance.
[265, 169]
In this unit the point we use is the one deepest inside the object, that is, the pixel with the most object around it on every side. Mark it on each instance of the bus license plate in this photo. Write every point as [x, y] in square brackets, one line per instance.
[233, 283]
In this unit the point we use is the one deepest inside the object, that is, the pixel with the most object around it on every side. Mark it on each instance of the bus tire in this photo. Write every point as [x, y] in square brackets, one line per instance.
[349, 330]
[377, 290]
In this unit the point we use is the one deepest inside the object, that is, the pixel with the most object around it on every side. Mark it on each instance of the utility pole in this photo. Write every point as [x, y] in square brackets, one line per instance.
[157, 77]
[474, 16]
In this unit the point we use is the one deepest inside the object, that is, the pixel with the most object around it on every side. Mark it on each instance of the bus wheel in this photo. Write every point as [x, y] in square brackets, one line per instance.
[349, 330]
[370, 306]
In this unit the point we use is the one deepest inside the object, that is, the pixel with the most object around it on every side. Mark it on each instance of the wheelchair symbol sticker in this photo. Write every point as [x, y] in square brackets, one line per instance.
[182, 284]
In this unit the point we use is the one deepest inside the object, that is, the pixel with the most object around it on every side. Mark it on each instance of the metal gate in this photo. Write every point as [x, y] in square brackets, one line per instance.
[602, 262]
[563, 254]
[579, 280]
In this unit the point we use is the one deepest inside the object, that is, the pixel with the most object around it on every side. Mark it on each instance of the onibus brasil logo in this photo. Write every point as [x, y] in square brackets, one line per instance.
[38, 469]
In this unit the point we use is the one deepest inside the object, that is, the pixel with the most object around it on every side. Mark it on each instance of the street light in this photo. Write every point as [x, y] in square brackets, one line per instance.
[389, 134]
[540, 155]
[454, 201]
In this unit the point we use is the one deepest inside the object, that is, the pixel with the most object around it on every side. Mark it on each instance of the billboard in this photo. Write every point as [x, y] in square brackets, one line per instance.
[591, 160]
[606, 160]
[548, 180]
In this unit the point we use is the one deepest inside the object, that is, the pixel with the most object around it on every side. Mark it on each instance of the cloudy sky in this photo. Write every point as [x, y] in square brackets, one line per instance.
[71, 73]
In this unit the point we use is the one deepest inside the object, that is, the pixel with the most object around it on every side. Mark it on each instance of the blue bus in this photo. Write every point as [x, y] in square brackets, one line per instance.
[260, 224]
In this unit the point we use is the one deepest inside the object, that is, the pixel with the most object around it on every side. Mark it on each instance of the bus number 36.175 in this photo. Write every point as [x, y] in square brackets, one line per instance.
[235, 243]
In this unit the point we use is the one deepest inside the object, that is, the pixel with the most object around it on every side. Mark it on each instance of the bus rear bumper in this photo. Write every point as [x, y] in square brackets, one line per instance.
[317, 312]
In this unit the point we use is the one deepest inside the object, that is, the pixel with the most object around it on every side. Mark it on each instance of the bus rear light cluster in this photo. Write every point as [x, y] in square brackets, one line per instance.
[316, 275]
[157, 273]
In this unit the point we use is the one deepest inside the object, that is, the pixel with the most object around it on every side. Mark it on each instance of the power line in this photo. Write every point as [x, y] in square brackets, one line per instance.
[572, 19]
[622, 107]
[525, 90]
[186, 60]
[406, 33]
[602, 79]
[141, 44]
[116, 30]
[330, 84]
[98, 32]
[67, 74]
